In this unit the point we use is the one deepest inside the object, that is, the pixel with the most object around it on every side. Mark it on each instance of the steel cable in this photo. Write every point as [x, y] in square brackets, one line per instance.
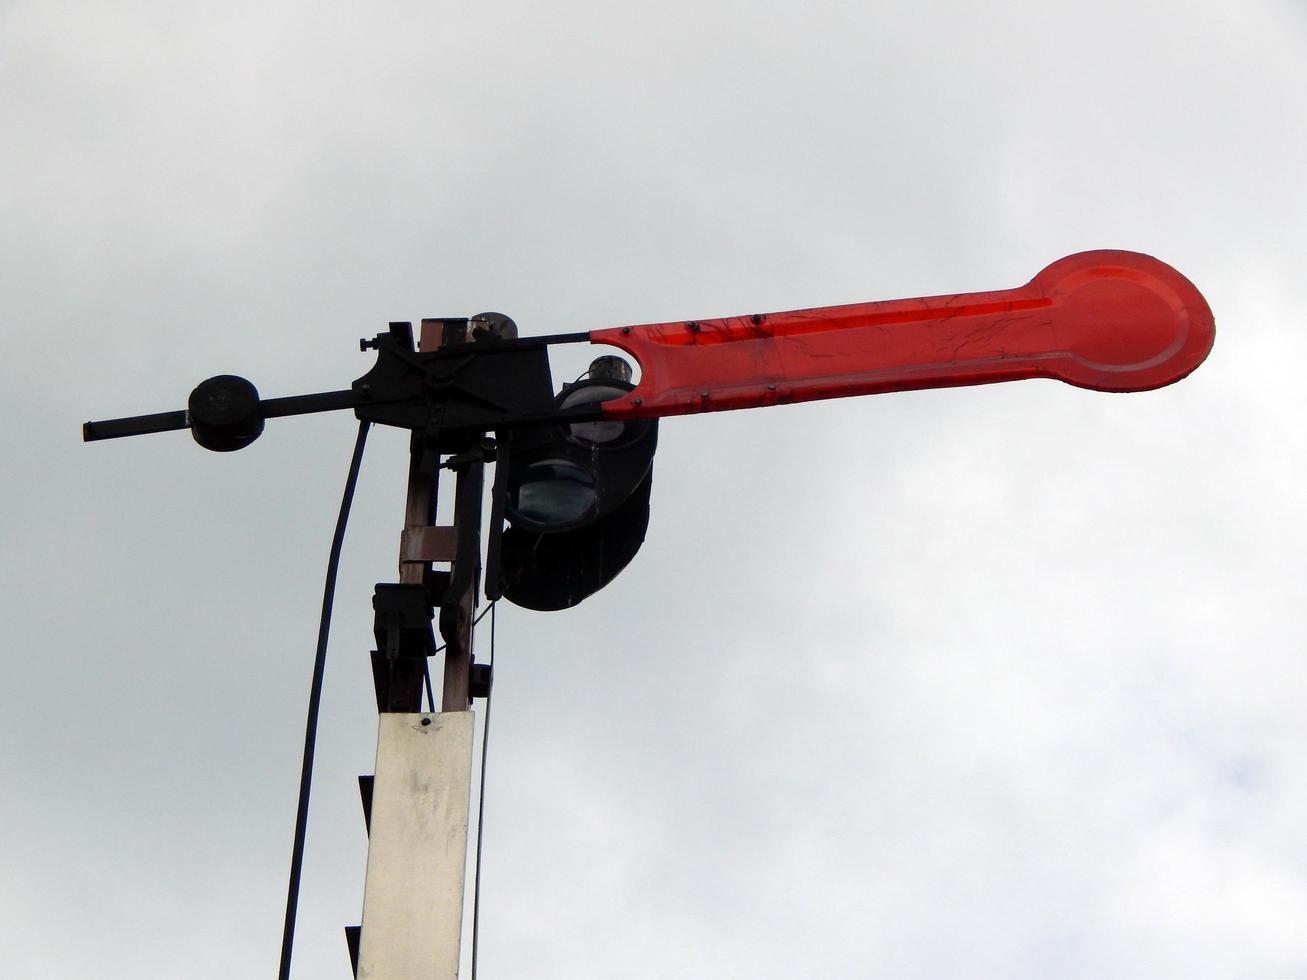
[315, 700]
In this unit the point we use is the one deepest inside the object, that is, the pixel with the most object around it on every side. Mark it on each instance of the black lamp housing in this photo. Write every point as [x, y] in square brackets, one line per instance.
[577, 498]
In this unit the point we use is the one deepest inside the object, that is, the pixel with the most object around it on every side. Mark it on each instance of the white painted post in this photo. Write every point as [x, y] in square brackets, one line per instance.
[417, 847]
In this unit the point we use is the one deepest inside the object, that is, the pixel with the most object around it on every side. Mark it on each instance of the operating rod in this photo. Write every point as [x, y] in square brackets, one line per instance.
[269, 408]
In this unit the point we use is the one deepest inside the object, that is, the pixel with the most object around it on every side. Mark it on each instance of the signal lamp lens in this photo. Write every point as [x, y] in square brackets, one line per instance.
[598, 433]
[553, 495]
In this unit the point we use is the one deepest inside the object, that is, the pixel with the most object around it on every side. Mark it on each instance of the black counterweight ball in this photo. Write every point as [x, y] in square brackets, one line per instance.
[224, 413]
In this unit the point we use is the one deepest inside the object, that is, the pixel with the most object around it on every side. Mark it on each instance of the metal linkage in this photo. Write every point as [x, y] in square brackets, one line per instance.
[473, 384]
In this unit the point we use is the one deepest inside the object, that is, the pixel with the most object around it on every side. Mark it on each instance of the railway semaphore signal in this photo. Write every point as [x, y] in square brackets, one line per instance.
[571, 492]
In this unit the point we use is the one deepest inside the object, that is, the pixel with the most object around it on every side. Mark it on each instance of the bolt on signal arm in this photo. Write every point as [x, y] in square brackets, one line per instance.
[1107, 320]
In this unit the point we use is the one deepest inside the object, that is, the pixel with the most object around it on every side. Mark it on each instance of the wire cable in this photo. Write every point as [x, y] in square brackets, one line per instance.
[492, 627]
[474, 626]
[481, 800]
[315, 701]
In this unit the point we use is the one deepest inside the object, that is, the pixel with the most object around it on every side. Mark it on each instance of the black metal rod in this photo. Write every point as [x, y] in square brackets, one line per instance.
[269, 408]
[516, 343]
[137, 425]
[557, 338]
[323, 401]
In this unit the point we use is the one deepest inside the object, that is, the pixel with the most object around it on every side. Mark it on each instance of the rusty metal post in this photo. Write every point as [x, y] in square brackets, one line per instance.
[458, 608]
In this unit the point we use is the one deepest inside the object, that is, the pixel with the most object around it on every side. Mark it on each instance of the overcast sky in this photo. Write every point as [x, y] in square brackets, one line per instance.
[996, 682]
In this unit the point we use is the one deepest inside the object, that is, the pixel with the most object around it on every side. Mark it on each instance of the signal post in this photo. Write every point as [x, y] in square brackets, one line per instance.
[417, 805]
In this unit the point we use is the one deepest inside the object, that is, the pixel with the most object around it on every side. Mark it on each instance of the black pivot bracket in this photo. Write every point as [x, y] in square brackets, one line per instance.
[482, 378]
[402, 626]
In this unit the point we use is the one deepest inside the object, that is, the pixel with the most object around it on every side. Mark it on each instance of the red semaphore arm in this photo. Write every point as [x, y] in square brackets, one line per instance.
[1107, 320]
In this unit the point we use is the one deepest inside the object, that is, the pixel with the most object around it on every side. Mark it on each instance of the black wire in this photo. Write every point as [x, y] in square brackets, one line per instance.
[474, 623]
[489, 609]
[481, 801]
[315, 700]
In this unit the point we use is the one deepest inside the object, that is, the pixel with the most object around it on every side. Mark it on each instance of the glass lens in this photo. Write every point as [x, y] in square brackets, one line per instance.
[553, 493]
[595, 433]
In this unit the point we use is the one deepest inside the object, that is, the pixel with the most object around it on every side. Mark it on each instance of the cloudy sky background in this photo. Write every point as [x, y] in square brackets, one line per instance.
[994, 682]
